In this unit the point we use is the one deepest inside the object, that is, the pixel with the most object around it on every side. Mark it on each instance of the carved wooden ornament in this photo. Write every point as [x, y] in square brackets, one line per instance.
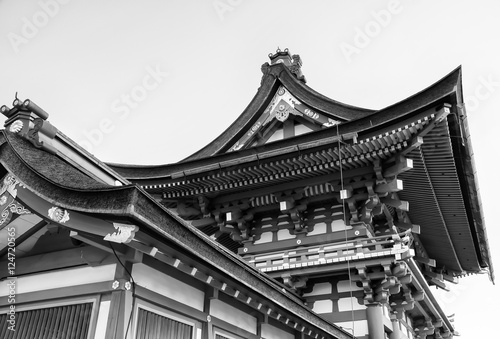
[124, 233]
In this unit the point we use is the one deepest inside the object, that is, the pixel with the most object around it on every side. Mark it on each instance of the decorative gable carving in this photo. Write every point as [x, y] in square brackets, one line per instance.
[284, 117]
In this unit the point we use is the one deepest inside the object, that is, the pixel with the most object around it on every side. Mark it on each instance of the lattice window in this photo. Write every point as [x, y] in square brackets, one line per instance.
[63, 322]
[154, 326]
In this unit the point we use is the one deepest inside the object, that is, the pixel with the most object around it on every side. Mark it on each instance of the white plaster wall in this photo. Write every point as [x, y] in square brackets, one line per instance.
[285, 234]
[360, 327]
[167, 286]
[323, 306]
[319, 228]
[233, 316]
[348, 304]
[347, 286]
[264, 237]
[320, 288]
[271, 332]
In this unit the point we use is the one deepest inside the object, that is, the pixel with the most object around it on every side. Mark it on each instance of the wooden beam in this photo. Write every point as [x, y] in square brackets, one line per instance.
[288, 128]
[434, 275]
[23, 237]
[79, 222]
[61, 292]
[55, 260]
[402, 165]
[395, 185]
[428, 261]
[362, 171]
[439, 284]
[116, 316]
[98, 242]
[203, 222]
[450, 278]
[413, 144]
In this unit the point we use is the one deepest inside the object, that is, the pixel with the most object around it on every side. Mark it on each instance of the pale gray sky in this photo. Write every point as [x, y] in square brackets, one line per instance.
[151, 82]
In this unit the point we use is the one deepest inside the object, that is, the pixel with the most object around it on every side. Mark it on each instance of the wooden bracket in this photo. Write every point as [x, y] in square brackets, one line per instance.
[402, 165]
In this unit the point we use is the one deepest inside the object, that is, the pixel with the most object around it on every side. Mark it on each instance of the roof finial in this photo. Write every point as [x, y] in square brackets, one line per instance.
[293, 62]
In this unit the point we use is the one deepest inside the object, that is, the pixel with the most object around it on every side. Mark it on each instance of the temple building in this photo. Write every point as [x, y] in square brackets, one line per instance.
[306, 218]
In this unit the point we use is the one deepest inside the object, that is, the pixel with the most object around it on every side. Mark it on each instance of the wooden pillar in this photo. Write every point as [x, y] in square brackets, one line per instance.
[114, 329]
[208, 331]
[396, 331]
[120, 305]
[375, 322]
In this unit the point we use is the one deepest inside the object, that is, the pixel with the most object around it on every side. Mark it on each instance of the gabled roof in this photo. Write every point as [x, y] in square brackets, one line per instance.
[278, 76]
[353, 120]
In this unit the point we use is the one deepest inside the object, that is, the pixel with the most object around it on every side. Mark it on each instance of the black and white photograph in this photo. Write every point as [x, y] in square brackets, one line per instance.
[249, 169]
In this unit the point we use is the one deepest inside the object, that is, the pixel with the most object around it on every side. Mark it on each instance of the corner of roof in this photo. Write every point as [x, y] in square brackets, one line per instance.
[27, 123]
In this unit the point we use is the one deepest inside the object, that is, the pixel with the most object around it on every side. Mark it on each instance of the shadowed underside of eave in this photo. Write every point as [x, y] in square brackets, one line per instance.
[436, 204]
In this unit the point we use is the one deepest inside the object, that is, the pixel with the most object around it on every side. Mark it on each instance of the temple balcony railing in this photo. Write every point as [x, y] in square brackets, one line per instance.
[397, 245]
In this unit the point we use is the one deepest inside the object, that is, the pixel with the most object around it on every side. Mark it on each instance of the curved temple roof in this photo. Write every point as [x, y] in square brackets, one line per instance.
[360, 124]
[352, 120]
[430, 128]
[355, 126]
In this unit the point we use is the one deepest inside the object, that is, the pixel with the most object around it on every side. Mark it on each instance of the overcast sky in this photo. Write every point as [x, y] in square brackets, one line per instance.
[150, 82]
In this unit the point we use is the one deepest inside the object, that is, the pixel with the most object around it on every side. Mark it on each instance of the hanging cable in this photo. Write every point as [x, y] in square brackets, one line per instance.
[132, 288]
[345, 228]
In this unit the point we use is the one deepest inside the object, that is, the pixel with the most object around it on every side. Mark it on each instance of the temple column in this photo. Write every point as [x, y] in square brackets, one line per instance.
[396, 331]
[375, 322]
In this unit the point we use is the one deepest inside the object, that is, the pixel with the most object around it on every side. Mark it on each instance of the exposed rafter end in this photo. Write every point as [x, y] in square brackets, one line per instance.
[439, 284]
[402, 165]
[392, 186]
[428, 261]
[99, 243]
[414, 143]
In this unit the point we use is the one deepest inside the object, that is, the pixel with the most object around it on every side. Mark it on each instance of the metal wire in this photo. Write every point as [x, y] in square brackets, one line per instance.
[345, 228]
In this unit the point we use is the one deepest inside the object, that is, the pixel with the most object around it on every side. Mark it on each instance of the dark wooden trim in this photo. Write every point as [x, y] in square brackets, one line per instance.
[207, 326]
[78, 221]
[328, 269]
[289, 244]
[288, 128]
[316, 180]
[114, 328]
[98, 242]
[63, 292]
[74, 257]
